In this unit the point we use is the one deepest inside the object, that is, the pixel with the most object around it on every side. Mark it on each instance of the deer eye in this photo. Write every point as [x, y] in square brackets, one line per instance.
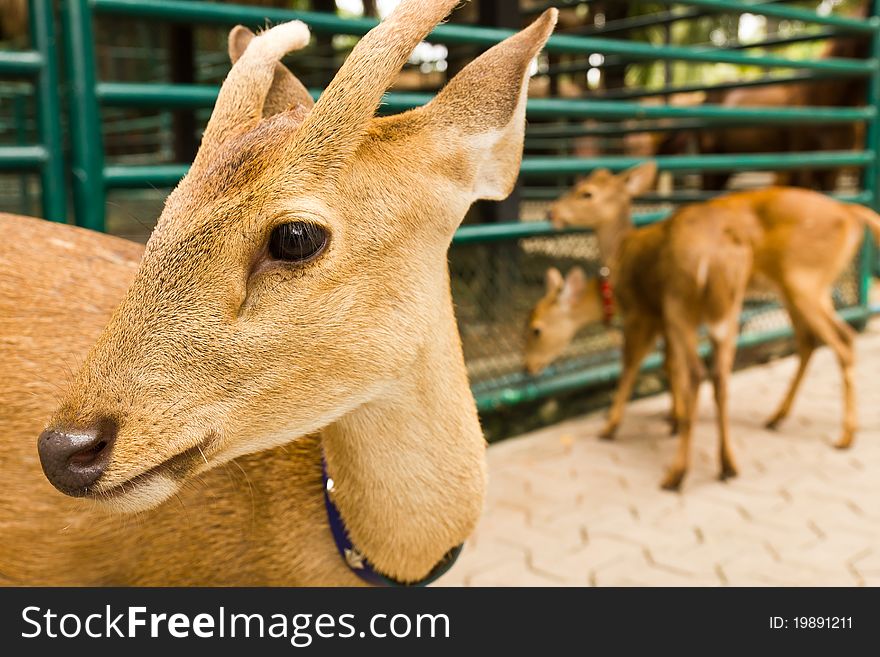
[587, 194]
[536, 331]
[297, 241]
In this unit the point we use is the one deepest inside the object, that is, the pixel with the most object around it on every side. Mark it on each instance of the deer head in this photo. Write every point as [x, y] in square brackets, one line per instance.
[298, 271]
[603, 201]
[568, 304]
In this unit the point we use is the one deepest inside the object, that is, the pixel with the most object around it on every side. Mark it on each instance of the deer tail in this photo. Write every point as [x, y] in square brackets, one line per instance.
[870, 218]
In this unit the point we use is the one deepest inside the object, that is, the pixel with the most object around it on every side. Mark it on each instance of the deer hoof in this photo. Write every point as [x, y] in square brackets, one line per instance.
[846, 440]
[773, 422]
[728, 471]
[608, 433]
[672, 481]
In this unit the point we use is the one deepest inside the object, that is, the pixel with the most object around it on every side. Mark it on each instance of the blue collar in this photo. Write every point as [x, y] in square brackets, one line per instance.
[356, 561]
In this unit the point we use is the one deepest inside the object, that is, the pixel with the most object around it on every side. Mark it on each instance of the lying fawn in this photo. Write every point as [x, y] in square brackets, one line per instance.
[291, 310]
[670, 277]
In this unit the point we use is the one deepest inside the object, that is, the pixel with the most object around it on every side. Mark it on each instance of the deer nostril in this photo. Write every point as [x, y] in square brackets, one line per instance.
[73, 460]
[88, 455]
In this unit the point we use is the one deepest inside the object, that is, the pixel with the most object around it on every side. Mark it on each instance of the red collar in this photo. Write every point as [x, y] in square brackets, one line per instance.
[607, 295]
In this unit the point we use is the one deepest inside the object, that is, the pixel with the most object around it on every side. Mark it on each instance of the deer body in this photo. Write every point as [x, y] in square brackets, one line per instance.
[291, 307]
[694, 268]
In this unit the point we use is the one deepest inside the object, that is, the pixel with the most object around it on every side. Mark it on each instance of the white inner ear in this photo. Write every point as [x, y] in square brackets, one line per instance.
[498, 153]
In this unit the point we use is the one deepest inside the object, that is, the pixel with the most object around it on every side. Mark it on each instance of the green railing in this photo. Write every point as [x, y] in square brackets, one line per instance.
[39, 66]
[490, 260]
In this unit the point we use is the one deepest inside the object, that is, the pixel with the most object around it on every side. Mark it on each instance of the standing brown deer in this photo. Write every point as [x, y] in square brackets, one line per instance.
[291, 308]
[672, 276]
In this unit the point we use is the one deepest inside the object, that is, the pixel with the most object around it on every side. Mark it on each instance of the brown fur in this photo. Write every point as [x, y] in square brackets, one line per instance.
[229, 373]
[672, 276]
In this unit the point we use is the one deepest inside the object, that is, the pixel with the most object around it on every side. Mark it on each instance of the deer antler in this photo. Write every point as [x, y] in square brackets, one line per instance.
[240, 103]
[286, 92]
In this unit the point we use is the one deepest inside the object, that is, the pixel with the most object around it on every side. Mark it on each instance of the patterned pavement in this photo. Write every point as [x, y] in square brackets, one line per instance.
[566, 509]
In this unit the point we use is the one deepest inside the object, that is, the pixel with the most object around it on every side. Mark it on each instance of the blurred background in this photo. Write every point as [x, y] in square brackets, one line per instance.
[102, 104]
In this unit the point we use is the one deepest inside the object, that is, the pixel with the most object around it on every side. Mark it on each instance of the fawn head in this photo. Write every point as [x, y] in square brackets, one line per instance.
[297, 271]
[568, 304]
[602, 198]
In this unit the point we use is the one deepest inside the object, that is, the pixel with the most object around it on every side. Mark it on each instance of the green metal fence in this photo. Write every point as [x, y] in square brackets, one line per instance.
[498, 268]
[39, 65]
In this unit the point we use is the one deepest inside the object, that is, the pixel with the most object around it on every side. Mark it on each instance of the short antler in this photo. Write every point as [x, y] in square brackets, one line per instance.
[240, 102]
[286, 92]
[339, 119]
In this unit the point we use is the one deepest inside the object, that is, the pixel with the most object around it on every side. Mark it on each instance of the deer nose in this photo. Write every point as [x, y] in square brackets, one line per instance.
[73, 460]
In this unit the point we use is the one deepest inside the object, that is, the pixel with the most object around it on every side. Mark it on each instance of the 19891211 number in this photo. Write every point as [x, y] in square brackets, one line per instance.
[811, 623]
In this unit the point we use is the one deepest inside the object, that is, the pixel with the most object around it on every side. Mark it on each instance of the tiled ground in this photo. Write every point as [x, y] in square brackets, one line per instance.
[567, 509]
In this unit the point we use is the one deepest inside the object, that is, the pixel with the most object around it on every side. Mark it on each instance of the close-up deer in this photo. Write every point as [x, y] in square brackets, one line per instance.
[673, 276]
[290, 312]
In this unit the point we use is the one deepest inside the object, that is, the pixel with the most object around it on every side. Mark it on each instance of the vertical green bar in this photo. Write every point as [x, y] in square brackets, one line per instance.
[85, 116]
[19, 112]
[872, 171]
[49, 110]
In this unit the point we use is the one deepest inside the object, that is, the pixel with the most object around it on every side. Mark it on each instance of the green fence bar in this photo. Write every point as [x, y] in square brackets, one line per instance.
[540, 166]
[54, 195]
[862, 25]
[127, 94]
[555, 130]
[25, 64]
[143, 176]
[631, 93]
[598, 109]
[776, 41]
[156, 95]
[22, 157]
[872, 172]
[85, 118]
[552, 193]
[39, 66]
[168, 175]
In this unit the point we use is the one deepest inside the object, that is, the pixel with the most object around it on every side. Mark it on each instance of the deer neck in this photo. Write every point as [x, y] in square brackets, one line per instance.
[408, 468]
[588, 306]
[611, 235]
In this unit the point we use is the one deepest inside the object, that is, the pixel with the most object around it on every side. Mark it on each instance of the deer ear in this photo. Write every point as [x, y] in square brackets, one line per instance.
[286, 92]
[640, 178]
[553, 281]
[575, 284]
[479, 117]
[239, 38]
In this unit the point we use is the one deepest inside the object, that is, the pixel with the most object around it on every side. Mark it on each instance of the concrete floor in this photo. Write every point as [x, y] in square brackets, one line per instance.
[565, 508]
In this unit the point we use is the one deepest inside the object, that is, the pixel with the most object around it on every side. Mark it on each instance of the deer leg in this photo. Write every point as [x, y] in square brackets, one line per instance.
[723, 338]
[827, 327]
[638, 338]
[677, 410]
[805, 344]
[686, 372]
